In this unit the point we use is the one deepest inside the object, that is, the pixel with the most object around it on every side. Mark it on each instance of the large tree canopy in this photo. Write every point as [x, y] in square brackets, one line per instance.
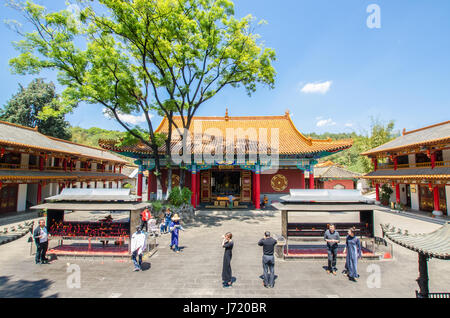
[151, 56]
[24, 109]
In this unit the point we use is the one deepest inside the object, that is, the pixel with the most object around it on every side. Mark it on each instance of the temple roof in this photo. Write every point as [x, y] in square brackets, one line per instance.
[427, 136]
[29, 138]
[334, 172]
[435, 244]
[16, 174]
[292, 142]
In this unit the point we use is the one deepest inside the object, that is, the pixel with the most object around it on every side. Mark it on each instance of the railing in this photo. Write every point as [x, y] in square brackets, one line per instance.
[386, 166]
[13, 166]
[433, 295]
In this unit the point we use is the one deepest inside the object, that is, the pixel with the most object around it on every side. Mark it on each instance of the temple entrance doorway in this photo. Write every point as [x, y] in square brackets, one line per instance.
[225, 183]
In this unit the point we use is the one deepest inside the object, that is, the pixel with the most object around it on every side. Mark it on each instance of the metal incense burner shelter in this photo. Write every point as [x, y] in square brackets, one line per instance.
[107, 237]
[305, 239]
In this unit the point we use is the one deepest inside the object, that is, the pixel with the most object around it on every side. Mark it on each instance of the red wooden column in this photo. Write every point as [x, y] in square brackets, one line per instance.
[149, 184]
[377, 192]
[199, 183]
[302, 179]
[41, 163]
[375, 164]
[397, 192]
[194, 186]
[258, 187]
[253, 187]
[39, 193]
[436, 210]
[311, 180]
[139, 185]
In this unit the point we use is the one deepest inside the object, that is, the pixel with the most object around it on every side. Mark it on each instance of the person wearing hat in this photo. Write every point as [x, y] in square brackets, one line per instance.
[175, 228]
[138, 246]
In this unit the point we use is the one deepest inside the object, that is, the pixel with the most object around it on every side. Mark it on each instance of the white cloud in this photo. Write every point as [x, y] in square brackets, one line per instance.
[348, 125]
[127, 118]
[325, 122]
[317, 87]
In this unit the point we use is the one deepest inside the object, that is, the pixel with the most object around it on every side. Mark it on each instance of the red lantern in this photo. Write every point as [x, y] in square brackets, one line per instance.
[430, 187]
[2, 153]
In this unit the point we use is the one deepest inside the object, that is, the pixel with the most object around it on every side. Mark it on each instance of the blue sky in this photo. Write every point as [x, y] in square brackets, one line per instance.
[333, 72]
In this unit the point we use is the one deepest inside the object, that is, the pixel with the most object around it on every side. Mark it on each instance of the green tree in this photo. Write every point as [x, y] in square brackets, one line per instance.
[380, 133]
[91, 135]
[160, 56]
[25, 108]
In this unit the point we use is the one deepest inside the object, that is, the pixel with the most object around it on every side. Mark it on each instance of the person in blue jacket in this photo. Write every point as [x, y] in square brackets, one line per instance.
[175, 228]
[167, 218]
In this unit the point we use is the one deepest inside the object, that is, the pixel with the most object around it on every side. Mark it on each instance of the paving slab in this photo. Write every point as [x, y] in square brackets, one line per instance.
[196, 271]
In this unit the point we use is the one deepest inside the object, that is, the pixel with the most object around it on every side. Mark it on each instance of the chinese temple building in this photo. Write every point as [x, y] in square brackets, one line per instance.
[34, 166]
[246, 181]
[417, 166]
[329, 175]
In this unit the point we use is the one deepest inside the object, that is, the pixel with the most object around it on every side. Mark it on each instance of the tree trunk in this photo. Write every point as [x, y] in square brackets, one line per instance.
[182, 175]
[169, 181]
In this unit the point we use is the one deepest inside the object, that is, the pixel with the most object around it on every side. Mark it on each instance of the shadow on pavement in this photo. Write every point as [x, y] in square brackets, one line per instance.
[23, 288]
[216, 221]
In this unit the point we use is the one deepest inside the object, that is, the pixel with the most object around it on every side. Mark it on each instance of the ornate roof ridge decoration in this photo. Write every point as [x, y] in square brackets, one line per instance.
[434, 244]
[292, 141]
[326, 164]
[433, 135]
[51, 144]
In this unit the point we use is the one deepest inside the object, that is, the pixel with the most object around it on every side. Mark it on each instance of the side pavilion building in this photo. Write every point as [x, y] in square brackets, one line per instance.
[34, 166]
[247, 181]
[417, 166]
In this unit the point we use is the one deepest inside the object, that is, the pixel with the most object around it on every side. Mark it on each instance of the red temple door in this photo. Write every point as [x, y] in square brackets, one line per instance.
[205, 187]
[246, 187]
[8, 198]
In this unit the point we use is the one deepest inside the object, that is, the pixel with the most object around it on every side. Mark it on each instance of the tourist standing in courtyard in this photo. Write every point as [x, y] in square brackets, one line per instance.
[145, 217]
[167, 218]
[268, 259]
[353, 249]
[227, 244]
[138, 245]
[175, 228]
[332, 238]
[40, 236]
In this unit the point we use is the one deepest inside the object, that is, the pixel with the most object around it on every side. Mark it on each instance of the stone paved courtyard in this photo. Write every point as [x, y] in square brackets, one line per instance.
[196, 271]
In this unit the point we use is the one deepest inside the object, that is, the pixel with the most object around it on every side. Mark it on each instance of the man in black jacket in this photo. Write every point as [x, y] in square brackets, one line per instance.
[40, 236]
[268, 260]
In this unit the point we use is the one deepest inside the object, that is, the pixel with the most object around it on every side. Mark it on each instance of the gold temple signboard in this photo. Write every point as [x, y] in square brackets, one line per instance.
[226, 167]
